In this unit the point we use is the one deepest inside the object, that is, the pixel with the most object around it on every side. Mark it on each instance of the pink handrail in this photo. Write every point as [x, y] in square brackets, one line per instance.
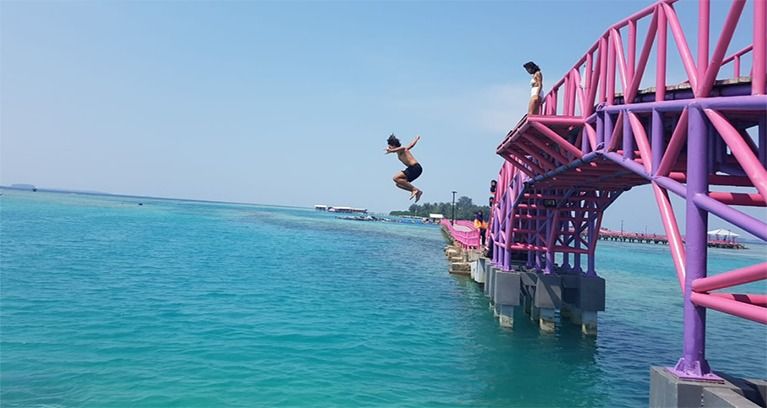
[732, 278]
[750, 298]
[735, 59]
[729, 306]
[608, 58]
[466, 239]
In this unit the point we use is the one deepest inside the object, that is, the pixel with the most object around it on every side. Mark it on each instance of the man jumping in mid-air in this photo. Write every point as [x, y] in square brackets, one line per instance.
[403, 178]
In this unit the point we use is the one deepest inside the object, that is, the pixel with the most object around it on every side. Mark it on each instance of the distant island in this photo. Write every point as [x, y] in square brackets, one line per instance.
[32, 187]
[28, 187]
[464, 209]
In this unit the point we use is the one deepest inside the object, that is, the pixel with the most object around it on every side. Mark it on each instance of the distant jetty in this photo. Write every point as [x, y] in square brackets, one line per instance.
[320, 207]
[637, 237]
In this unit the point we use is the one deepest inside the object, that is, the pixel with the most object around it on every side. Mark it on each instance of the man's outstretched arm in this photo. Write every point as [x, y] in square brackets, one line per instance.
[417, 138]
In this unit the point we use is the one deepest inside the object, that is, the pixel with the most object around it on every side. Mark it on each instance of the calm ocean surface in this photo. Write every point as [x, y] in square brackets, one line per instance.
[109, 304]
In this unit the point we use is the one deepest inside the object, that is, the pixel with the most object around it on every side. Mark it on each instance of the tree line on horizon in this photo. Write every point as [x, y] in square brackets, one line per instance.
[465, 209]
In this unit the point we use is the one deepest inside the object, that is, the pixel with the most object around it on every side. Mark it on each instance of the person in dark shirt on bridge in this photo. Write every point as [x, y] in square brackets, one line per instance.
[402, 179]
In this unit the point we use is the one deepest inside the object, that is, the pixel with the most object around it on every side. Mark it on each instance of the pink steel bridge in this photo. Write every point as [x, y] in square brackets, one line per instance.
[599, 134]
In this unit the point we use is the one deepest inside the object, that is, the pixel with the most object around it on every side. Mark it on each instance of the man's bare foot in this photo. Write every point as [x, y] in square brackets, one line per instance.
[412, 194]
[418, 195]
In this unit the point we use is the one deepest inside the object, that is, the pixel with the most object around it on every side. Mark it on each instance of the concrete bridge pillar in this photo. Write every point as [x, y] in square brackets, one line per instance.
[479, 271]
[489, 284]
[507, 294]
[583, 297]
[548, 299]
[485, 288]
[588, 321]
[528, 279]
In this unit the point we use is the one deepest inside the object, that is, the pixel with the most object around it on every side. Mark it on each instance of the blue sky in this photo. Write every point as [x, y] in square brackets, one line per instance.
[285, 103]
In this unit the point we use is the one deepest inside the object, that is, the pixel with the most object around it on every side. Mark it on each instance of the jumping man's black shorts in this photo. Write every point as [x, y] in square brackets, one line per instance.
[412, 172]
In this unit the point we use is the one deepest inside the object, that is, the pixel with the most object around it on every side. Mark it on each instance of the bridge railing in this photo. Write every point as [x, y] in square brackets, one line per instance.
[463, 233]
[612, 74]
[735, 59]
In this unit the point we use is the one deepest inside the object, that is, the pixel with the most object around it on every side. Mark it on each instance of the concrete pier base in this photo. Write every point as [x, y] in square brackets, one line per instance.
[506, 316]
[547, 320]
[525, 303]
[458, 259]
[565, 312]
[460, 268]
[478, 271]
[507, 292]
[535, 313]
[528, 281]
[490, 284]
[547, 300]
[667, 390]
[589, 323]
[582, 298]
[454, 254]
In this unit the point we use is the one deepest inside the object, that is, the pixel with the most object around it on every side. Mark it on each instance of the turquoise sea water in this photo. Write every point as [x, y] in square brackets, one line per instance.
[105, 303]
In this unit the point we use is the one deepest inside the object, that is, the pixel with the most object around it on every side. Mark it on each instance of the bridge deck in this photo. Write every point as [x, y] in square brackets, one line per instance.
[549, 165]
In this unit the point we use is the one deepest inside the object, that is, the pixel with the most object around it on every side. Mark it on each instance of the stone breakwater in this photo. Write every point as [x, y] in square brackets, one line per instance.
[461, 259]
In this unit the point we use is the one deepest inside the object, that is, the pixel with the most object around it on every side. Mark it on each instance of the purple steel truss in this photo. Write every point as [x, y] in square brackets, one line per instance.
[592, 141]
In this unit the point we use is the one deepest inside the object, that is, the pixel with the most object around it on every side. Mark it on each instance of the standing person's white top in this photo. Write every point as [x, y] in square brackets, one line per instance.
[536, 83]
[536, 90]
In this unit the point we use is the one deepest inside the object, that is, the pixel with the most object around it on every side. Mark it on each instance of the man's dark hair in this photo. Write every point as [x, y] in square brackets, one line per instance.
[393, 141]
[531, 67]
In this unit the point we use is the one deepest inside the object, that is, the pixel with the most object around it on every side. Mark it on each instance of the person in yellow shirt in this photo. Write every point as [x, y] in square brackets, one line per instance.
[481, 225]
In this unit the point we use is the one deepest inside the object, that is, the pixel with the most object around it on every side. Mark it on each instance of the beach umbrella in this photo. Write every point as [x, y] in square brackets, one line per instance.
[725, 234]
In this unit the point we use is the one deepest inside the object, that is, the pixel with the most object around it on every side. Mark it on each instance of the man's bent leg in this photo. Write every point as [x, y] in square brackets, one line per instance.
[401, 181]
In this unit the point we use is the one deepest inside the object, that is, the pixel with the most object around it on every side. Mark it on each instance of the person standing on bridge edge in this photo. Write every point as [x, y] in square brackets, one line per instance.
[536, 83]
[402, 179]
[481, 225]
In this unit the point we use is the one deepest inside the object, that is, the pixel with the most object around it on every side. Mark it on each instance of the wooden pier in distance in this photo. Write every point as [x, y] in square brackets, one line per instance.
[638, 237]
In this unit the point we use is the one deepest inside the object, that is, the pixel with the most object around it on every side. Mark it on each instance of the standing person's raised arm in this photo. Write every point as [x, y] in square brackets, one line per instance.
[417, 138]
